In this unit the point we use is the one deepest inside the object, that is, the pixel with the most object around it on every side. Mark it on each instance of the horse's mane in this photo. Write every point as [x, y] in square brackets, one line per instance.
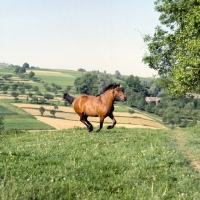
[111, 86]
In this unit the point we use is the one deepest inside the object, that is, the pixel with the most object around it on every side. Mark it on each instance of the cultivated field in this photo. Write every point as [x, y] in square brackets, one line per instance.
[67, 118]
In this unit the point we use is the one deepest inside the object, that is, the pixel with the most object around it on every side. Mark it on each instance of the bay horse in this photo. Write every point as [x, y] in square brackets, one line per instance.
[101, 105]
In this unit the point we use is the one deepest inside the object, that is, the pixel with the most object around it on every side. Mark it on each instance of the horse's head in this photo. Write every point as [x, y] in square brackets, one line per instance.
[118, 93]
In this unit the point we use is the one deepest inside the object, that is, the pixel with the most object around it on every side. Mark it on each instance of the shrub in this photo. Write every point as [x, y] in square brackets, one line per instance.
[53, 112]
[184, 123]
[131, 111]
[42, 110]
[192, 123]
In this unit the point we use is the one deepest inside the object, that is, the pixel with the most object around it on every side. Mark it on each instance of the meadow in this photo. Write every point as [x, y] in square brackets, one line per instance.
[122, 163]
[116, 164]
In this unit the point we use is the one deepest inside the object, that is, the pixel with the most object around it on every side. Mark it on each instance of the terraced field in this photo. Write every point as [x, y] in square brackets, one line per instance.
[67, 118]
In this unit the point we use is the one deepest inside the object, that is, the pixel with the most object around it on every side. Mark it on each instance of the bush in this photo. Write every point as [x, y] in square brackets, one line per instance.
[53, 112]
[131, 111]
[42, 110]
[184, 123]
[48, 96]
[192, 123]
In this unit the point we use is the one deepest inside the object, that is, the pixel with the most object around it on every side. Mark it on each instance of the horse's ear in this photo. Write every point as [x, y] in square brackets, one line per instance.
[117, 85]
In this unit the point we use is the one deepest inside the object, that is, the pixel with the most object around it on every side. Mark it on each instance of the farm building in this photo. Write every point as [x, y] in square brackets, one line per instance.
[154, 100]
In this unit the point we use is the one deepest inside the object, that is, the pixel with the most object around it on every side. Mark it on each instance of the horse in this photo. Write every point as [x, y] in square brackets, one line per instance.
[101, 105]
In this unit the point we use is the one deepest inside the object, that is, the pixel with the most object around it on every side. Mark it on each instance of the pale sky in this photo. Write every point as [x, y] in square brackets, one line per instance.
[104, 35]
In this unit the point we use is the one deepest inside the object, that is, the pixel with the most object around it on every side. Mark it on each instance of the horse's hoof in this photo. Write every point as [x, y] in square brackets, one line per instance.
[109, 127]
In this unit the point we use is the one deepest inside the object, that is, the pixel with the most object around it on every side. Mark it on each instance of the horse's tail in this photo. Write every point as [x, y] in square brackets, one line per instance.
[68, 98]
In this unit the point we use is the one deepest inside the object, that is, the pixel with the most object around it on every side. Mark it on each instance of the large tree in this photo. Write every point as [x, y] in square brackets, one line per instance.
[87, 84]
[174, 49]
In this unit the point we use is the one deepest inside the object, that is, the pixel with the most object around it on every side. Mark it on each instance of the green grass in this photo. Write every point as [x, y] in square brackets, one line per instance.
[18, 119]
[122, 107]
[190, 139]
[113, 164]
[6, 111]
[64, 78]
[25, 124]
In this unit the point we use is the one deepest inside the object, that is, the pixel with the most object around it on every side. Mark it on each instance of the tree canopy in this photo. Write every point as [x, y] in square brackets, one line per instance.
[175, 51]
[87, 84]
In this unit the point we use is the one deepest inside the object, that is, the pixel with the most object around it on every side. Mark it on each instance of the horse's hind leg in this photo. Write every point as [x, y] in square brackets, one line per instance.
[114, 121]
[90, 125]
[83, 119]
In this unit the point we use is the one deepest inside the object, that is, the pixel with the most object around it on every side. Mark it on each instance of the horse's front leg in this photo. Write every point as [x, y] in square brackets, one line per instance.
[114, 121]
[101, 123]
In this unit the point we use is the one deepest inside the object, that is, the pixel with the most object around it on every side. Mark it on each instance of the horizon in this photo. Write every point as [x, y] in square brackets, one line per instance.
[105, 36]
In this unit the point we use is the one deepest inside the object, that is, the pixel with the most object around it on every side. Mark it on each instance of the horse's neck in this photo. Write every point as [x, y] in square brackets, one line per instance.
[108, 97]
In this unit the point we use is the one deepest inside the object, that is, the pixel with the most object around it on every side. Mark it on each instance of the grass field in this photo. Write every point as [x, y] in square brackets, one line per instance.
[18, 119]
[115, 164]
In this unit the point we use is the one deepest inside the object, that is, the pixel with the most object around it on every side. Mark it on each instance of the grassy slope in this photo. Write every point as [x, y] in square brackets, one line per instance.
[114, 164]
[188, 141]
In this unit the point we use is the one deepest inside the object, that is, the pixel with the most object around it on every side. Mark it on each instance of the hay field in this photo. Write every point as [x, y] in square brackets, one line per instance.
[67, 118]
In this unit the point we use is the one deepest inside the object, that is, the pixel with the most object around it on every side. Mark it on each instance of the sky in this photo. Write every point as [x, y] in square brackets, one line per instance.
[100, 35]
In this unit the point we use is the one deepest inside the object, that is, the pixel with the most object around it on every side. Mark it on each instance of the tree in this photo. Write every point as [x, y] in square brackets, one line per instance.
[16, 70]
[53, 112]
[28, 86]
[15, 94]
[35, 88]
[48, 96]
[42, 100]
[141, 104]
[56, 107]
[81, 70]
[25, 65]
[31, 74]
[192, 123]
[174, 52]
[42, 110]
[5, 87]
[184, 123]
[177, 119]
[149, 107]
[134, 83]
[22, 70]
[117, 74]
[34, 99]
[164, 118]
[14, 86]
[87, 84]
